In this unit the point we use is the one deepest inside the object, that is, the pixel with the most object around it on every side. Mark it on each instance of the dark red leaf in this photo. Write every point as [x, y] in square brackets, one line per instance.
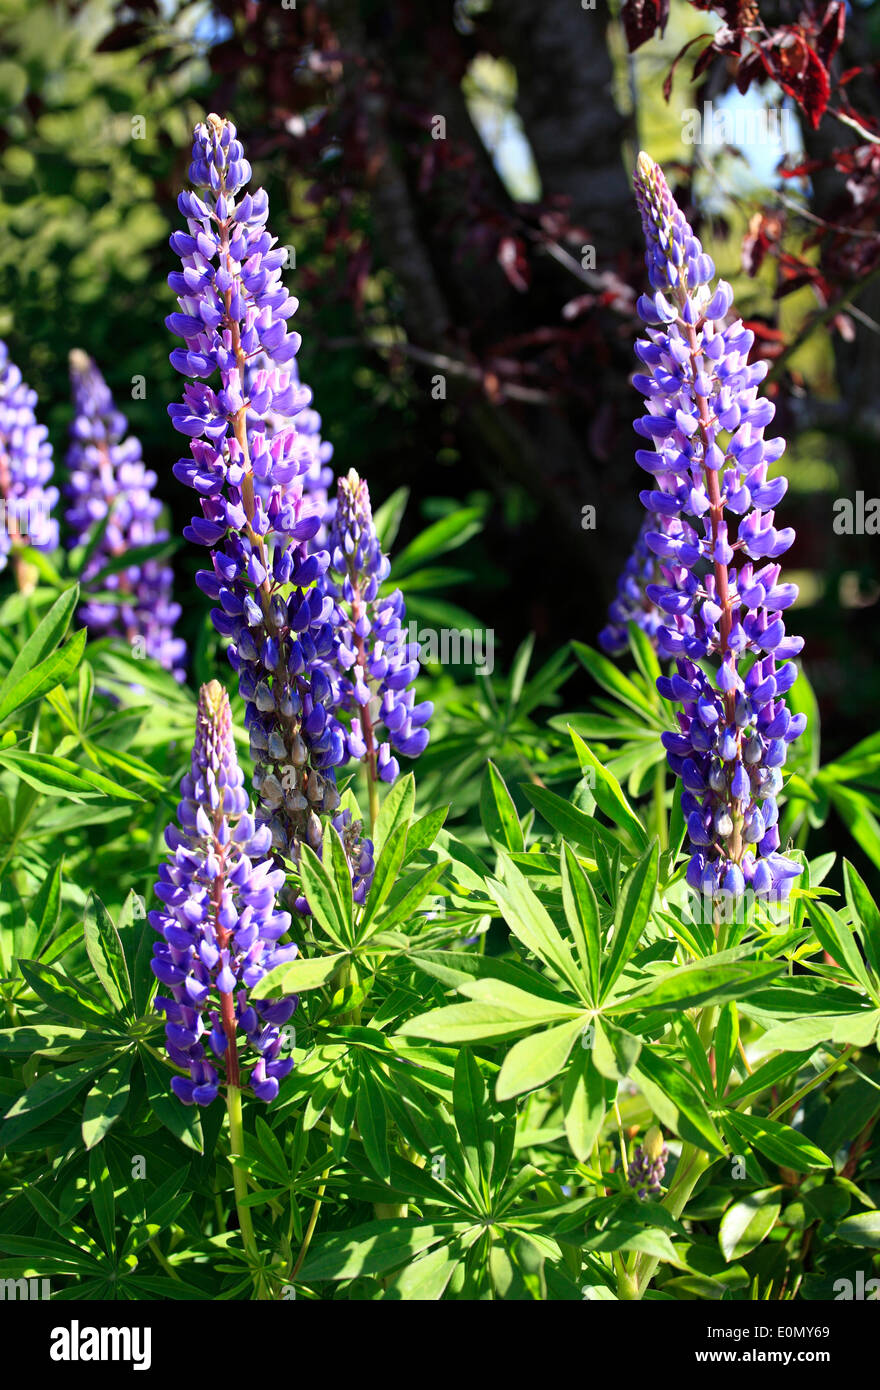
[830, 36]
[641, 20]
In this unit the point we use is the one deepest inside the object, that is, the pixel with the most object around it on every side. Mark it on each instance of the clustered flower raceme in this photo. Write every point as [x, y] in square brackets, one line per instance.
[256, 514]
[648, 1167]
[375, 665]
[710, 460]
[26, 468]
[313, 452]
[107, 475]
[218, 924]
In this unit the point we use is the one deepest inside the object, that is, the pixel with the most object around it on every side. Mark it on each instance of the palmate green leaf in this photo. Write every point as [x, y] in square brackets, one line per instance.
[105, 1102]
[388, 516]
[612, 679]
[476, 1130]
[855, 810]
[457, 968]
[385, 876]
[748, 1222]
[700, 983]
[675, 1100]
[584, 1103]
[407, 895]
[427, 1278]
[104, 949]
[778, 1142]
[183, 1121]
[535, 1060]
[726, 1039]
[531, 924]
[644, 653]
[49, 1095]
[447, 534]
[609, 794]
[569, 820]
[614, 1051]
[47, 635]
[103, 1199]
[424, 831]
[63, 996]
[337, 861]
[324, 900]
[31, 685]
[540, 1008]
[396, 810]
[45, 908]
[50, 1256]
[372, 1119]
[477, 1021]
[865, 912]
[298, 976]
[631, 916]
[28, 1038]
[137, 937]
[375, 1247]
[498, 812]
[859, 1027]
[582, 914]
[838, 940]
[50, 774]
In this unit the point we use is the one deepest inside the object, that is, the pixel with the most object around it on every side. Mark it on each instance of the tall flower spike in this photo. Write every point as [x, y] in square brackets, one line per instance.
[313, 452]
[218, 924]
[256, 515]
[719, 592]
[26, 471]
[107, 475]
[376, 664]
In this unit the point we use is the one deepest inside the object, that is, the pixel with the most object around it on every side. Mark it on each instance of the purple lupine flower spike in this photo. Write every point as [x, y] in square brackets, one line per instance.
[26, 469]
[107, 474]
[218, 923]
[313, 452]
[257, 516]
[719, 593]
[376, 665]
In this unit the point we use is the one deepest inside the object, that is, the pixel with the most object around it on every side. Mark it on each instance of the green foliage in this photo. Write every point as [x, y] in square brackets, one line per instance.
[478, 1048]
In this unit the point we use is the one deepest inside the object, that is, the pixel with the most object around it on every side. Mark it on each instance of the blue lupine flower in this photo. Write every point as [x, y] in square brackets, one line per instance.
[107, 475]
[719, 591]
[26, 469]
[376, 666]
[313, 451]
[256, 513]
[219, 925]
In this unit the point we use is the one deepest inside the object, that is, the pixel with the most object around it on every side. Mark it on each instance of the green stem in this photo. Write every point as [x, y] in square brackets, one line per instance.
[809, 1086]
[692, 1164]
[310, 1229]
[372, 795]
[660, 804]
[239, 1183]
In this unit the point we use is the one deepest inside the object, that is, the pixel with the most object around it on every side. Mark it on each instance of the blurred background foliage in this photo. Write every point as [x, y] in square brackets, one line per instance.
[459, 260]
